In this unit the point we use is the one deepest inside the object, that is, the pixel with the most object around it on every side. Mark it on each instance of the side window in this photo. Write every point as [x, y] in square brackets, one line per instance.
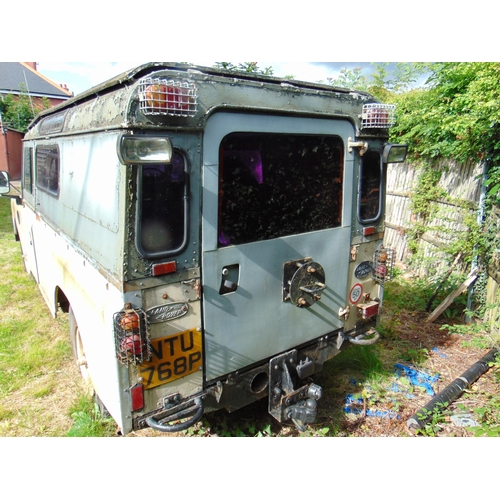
[47, 169]
[28, 170]
[275, 185]
[162, 208]
[370, 187]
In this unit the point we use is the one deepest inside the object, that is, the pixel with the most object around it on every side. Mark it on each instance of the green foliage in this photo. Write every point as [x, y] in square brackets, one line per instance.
[350, 78]
[383, 81]
[88, 420]
[224, 425]
[367, 360]
[19, 110]
[418, 356]
[403, 295]
[246, 67]
[435, 419]
[457, 117]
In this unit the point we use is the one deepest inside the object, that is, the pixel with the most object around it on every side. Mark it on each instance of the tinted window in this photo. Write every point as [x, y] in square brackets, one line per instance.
[274, 185]
[47, 169]
[162, 207]
[370, 189]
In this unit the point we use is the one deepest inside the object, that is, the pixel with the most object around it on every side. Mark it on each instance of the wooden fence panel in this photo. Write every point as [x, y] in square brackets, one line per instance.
[462, 182]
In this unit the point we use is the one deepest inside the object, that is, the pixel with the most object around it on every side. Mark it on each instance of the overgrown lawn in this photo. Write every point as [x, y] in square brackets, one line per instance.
[38, 379]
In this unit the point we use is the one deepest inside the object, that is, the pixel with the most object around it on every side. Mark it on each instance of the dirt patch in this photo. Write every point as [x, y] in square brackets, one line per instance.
[443, 358]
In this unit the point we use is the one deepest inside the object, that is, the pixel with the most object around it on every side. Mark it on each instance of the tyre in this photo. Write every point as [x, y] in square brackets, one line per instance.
[81, 360]
[77, 346]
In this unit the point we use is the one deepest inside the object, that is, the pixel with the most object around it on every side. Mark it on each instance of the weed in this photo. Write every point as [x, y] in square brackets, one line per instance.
[434, 419]
[88, 421]
[417, 356]
[320, 432]
[403, 295]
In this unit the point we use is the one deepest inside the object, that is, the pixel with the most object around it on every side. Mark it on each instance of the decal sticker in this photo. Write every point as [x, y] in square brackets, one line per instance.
[356, 292]
[363, 269]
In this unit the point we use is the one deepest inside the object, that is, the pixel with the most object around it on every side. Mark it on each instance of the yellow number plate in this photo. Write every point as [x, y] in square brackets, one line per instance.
[173, 357]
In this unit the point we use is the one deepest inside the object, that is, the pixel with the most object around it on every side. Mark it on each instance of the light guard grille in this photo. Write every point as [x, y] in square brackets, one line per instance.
[378, 116]
[131, 336]
[383, 264]
[160, 96]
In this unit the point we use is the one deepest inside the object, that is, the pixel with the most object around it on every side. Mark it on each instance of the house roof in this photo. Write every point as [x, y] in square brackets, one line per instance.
[17, 76]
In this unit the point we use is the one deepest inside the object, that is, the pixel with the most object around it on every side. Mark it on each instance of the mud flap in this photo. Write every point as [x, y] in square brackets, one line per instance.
[288, 400]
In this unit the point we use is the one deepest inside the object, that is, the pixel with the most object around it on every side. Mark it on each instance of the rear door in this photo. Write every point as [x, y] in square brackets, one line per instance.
[277, 198]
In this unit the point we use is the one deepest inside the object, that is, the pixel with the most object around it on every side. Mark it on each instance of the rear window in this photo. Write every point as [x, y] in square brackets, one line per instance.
[370, 187]
[274, 185]
[162, 208]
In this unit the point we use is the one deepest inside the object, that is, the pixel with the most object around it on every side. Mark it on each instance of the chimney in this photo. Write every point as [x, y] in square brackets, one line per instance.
[32, 65]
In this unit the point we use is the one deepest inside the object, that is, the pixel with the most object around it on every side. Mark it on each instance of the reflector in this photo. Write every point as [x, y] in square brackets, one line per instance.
[137, 397]
[165, 268]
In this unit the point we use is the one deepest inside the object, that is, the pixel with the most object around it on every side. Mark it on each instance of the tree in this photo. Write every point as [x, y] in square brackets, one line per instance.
[247, 67]
[457, 116]
[382, 80]
[17, 111]
[350, 78]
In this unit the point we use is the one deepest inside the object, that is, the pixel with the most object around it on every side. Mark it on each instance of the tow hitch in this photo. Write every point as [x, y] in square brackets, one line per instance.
[286, 402]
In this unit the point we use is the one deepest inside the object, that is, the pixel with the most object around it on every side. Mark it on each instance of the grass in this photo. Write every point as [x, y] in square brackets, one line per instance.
[37, 373]
[87, 419]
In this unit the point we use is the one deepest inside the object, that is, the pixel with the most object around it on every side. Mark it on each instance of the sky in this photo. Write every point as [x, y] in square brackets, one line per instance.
[80, 76]
[98, 32]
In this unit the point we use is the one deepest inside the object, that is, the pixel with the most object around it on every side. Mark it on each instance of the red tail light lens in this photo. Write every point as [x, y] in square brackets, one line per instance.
[369, 310]
[163, 96]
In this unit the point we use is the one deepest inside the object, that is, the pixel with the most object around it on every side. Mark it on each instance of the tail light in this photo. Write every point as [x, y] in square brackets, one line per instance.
[368, 310]
[161, 96]
[131, 337]
[383, 265]
[378, 115]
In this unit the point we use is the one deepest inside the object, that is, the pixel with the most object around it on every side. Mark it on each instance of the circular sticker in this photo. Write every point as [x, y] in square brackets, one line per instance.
[356, 292]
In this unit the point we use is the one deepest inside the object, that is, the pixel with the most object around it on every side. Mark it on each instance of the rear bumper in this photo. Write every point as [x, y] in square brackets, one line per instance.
[284, 380]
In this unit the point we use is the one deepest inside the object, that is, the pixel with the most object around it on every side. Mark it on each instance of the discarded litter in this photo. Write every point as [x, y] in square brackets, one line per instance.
[353, 405]
[356, 405]
[417, 377]
[464, 420]
[395, 387]
[437, 351]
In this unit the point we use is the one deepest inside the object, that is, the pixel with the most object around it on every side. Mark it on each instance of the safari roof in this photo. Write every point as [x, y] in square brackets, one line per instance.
[113, 103]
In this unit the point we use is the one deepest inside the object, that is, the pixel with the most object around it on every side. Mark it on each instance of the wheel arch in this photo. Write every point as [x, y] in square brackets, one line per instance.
[61, 301]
